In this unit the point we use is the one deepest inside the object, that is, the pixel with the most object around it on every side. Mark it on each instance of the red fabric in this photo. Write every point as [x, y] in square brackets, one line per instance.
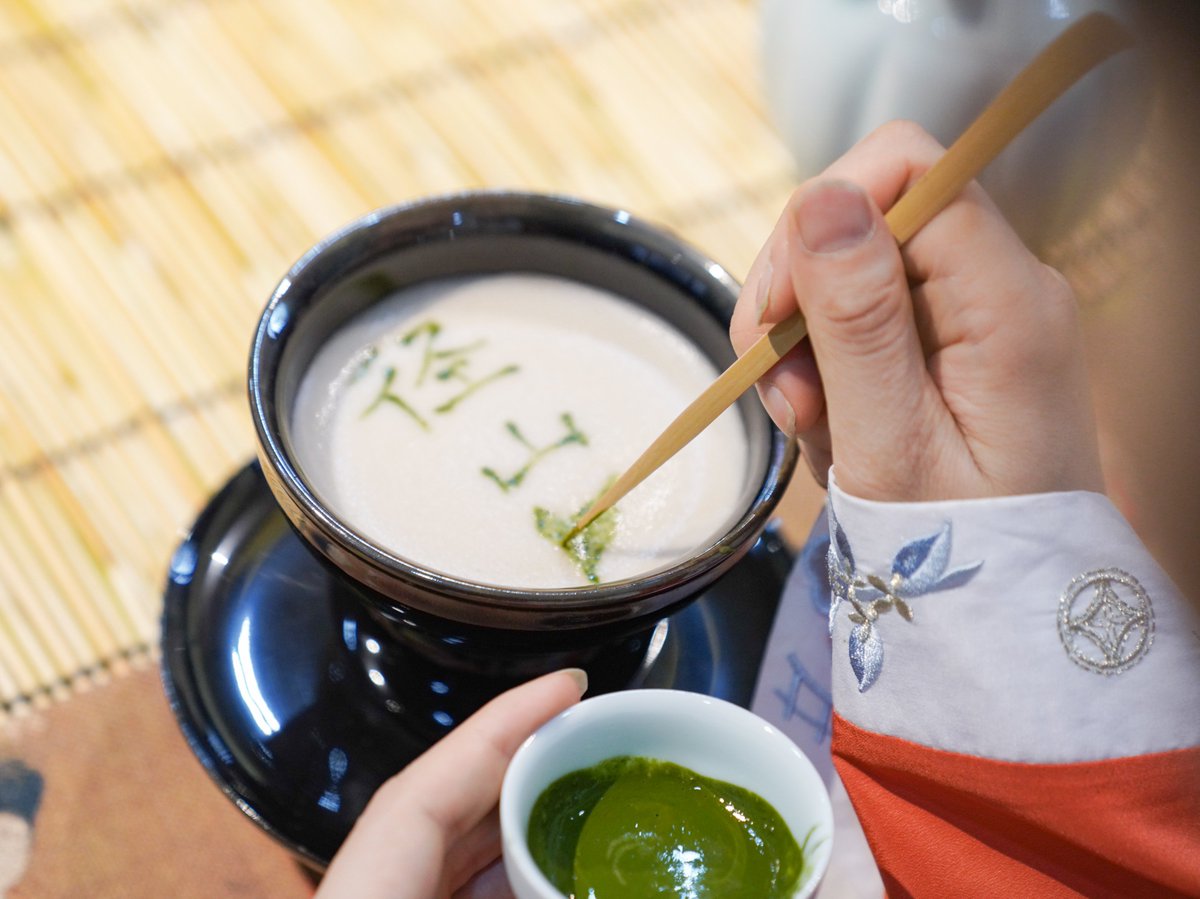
[946, 824]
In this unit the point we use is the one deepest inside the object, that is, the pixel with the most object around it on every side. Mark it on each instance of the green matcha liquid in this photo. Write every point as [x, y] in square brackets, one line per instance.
[634, 827]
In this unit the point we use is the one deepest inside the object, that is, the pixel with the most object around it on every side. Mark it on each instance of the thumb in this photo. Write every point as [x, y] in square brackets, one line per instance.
[850, 283]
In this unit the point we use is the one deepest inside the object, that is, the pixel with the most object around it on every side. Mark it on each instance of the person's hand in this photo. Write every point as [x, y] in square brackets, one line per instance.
[950, 369]
[433, 830]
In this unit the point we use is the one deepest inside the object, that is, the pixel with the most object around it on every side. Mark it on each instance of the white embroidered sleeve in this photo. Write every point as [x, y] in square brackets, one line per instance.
[1027, 628]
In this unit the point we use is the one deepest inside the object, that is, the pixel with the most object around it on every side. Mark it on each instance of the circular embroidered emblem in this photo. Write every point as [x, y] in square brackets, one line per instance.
[1105, 621]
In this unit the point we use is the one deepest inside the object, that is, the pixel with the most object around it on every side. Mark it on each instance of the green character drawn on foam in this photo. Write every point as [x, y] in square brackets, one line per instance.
[536, 453]
[445, 364]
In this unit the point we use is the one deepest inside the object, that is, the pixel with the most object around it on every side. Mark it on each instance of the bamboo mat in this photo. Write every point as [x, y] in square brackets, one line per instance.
[163, 162]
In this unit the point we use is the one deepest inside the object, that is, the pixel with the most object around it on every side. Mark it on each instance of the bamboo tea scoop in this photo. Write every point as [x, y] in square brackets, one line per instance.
[1064, 61]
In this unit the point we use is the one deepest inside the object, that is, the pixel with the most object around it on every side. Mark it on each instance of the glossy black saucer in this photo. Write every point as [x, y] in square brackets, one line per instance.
[299, 709]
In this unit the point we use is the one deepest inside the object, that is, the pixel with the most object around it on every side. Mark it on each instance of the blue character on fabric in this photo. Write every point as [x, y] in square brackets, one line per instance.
[794, 689]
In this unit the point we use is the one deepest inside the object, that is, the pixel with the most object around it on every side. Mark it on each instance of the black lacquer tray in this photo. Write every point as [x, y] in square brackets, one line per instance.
[299, 709]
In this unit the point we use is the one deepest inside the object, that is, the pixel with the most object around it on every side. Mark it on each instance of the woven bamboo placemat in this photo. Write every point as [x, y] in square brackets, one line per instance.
[163, 162]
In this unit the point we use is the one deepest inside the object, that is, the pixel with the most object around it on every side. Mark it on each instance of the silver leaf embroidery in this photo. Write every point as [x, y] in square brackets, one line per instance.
[866, 654]
[918, 568]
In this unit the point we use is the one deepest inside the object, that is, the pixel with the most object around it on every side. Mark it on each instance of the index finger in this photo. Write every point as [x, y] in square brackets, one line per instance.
[887, 163]
[458, 781]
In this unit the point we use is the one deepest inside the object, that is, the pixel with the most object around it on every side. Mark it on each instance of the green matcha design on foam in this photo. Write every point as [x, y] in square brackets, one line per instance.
[536, 453]
[409, 476]
[447, 364]
[586, 547]
[387, 395]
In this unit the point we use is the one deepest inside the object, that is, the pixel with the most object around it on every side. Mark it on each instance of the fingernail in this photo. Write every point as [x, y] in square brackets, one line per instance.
[763, 297]
[833, 216]
[779, 409]
[579, 676]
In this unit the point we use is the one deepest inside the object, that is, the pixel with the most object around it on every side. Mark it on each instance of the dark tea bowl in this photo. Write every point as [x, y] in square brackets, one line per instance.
[481, 233]
[500, 634]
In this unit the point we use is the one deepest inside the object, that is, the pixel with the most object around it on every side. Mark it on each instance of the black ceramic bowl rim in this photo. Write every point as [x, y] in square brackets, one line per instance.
[399, 578]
